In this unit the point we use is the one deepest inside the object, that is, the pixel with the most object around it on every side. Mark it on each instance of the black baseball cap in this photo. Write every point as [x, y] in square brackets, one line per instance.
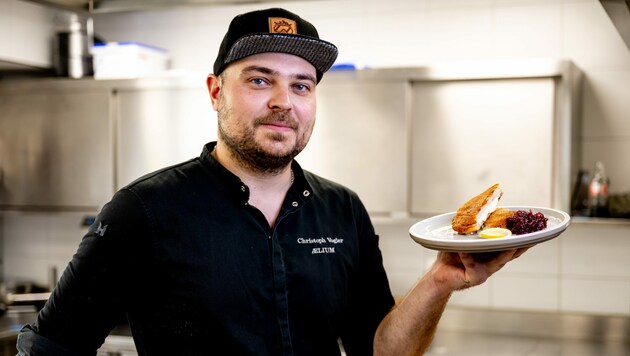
[274, 30]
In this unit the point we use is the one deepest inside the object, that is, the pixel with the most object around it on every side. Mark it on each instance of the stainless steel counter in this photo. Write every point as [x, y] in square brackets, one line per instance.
[10, 325]
[464, 343]
[477, 332]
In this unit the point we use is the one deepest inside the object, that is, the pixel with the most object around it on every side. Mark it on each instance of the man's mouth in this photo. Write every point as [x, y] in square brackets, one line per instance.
[277, 124]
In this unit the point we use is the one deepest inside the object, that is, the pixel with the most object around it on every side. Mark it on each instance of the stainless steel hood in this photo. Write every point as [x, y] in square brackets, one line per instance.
[619, 13]
[87, 7]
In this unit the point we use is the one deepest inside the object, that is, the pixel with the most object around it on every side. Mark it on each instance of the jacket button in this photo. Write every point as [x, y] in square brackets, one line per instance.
[306, 193]
[295, 204]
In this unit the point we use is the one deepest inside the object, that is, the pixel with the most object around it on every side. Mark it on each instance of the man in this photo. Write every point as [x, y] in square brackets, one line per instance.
[240, 251]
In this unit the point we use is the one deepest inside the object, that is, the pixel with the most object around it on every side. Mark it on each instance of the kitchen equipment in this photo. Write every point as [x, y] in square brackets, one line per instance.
[619, 205]
[579, 198]
[72, 56]
[598, 191]
[124, 60]
[23, 293]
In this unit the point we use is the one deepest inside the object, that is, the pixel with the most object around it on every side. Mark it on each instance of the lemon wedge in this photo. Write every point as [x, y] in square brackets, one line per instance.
[495, 233]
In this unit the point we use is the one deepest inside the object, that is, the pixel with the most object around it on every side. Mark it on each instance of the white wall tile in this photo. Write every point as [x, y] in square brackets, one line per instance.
[527, 293]
[596, 250]
[120, 27]
[478, 296]
[595, 296]
[505, 3]
[183, 38]
[346, 32]
[66, 232]
[5, 28]
[34, 242]
[400, 283]
[606, 104]
[401, 253]
[312, 10]
[25, 239]
[590, 38]
[394, 8]
[404, 260]
[380, 41]
[541, 260]
[528, 30]
[465, 34]
[454, 5]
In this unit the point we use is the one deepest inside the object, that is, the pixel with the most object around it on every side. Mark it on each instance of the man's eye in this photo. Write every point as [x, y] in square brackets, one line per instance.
[301, 87]
[258, 81]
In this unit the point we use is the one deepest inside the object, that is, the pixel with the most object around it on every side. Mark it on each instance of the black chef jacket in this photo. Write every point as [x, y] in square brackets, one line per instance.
[198, 271]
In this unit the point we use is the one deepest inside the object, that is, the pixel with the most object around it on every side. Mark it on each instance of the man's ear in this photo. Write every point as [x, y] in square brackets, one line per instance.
[213, 83]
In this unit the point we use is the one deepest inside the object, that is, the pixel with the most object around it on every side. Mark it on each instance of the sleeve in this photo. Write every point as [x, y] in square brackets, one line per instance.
[90, 297]
[31, 343]
[370, 295]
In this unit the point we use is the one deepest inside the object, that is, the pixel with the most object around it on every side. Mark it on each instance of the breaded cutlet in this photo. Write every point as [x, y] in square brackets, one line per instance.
[471, 216]
[498, 218]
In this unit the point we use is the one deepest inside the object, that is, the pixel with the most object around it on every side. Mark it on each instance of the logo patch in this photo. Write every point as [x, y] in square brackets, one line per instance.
[282, 25]
[100, 230]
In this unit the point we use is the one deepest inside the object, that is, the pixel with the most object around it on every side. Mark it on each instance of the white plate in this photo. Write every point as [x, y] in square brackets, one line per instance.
[436, 233]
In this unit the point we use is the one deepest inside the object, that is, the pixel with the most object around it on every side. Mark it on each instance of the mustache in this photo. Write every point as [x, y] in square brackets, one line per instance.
[277, 117]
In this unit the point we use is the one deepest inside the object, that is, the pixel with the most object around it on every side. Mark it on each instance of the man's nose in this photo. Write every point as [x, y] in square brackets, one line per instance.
[280, 99]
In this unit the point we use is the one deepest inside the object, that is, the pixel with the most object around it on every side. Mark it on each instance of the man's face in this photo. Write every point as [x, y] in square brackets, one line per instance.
[266, 109]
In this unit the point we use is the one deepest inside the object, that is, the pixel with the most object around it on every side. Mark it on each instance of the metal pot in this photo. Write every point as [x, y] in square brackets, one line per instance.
[73, 50]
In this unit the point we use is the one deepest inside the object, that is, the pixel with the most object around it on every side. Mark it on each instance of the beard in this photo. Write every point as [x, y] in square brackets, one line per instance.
[252, 154]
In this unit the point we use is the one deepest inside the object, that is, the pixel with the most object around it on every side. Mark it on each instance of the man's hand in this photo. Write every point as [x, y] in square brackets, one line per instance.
[455, 271]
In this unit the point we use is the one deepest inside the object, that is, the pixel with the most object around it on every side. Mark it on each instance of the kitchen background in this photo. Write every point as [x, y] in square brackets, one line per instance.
[584, 272]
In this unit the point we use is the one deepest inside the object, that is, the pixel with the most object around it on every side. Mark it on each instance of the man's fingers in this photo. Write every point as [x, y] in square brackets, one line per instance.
[521, 251]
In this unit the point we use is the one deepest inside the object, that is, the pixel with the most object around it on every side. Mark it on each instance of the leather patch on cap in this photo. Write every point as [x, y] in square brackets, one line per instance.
[282, 25]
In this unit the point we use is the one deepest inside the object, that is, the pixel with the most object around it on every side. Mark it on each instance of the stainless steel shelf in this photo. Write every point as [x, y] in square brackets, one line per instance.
[602, 221]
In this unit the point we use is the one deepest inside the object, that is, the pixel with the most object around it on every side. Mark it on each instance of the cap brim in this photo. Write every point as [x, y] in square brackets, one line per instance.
[319, 53]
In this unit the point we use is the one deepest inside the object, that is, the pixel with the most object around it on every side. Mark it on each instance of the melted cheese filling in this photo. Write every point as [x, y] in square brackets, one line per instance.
[490, 206]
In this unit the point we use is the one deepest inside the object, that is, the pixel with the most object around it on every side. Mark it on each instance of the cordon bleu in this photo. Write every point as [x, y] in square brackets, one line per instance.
[471, 216]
